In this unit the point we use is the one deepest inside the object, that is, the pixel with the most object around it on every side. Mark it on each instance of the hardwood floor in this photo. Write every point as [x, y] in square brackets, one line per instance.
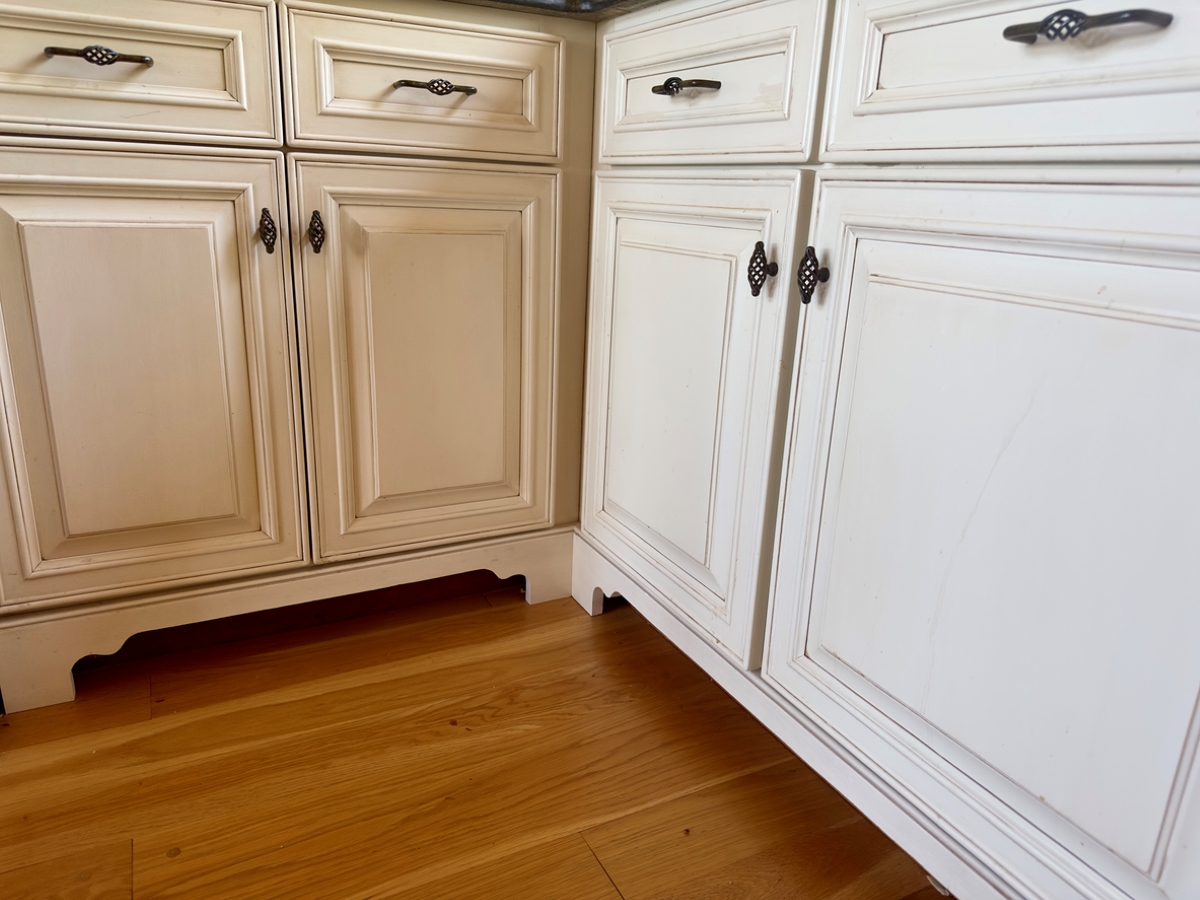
[470, 748]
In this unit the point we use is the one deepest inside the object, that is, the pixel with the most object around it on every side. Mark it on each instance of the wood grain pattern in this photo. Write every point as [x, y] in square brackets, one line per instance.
[96, 873]
[455, 750]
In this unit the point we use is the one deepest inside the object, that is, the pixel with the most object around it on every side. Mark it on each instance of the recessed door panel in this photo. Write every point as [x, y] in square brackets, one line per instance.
[684, 372]
[147, 378]
[1001, 405]
[429, 312]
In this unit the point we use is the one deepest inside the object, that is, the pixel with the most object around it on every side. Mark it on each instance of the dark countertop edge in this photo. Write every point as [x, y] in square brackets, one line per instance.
[593, 10]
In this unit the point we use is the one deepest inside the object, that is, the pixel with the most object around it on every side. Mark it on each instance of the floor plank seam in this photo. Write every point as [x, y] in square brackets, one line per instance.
[601, 865]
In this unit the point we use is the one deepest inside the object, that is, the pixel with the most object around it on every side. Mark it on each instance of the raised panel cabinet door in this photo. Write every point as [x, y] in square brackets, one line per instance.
[430, 317]
[987, 575]
[683, 383]
[150, 436]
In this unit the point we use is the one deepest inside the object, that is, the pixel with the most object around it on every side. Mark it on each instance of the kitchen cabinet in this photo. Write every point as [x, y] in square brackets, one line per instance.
[430, 313]
[149, 372]
[187, 432]
[984, 575]
[981, 618]
[686, 360]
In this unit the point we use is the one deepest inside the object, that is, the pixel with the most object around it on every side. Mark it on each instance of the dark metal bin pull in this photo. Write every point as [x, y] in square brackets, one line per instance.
[810, 274]
[316, 232]
[100, 56]
[439, 86]
[759, 269]
[267, 231]
[1067, 23]
[673, 85]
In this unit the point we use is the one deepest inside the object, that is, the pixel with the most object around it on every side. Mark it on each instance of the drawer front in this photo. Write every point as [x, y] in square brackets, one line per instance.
[940, 81]
[980, 578]
[764, 56]
[343, 72]
[683, 384]
[214, 70]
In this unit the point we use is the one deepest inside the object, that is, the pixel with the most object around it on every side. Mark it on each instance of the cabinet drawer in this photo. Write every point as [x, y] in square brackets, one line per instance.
[344, 72]
[214, 69]
[764, 57]
[940, 81]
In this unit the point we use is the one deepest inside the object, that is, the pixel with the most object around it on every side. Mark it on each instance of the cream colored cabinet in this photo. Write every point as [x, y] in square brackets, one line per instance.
[173, 70]
[430, 311]
[360, 78]
[172, 407]
[689, 337]
[933, 79]
[148, 370]
[985, 573]
[730, 82]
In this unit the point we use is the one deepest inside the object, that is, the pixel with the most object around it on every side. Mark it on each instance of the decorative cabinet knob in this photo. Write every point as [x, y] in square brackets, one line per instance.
[759, 269]
[810, 273]
[267, 231]
[316, 232]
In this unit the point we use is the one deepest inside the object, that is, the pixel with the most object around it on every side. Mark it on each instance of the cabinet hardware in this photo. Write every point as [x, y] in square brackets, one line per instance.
[673, 85]
[1067, 23]
[439, 86]
[809, 274]
[267, 231]
[100, 56]
[316, 232]
[759, 269]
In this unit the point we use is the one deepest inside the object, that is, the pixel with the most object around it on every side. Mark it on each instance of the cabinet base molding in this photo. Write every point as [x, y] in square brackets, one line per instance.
[596, 575]
[38, 649]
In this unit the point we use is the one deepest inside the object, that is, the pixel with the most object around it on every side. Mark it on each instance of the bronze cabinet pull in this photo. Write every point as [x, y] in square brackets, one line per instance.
[810, 273]
[100, 56]
[316, 232]
[759, 269]
[439, 86]
[1067, 23]
[673, 85]
[267, 231]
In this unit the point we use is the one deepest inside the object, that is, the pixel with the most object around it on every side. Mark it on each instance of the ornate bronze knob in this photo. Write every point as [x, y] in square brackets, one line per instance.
[316, 232]
[810, 273]
[267, 231]
[759, 269]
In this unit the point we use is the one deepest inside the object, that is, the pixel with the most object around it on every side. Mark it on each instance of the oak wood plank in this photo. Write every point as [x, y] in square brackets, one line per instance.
[780, 832]
[95, 873]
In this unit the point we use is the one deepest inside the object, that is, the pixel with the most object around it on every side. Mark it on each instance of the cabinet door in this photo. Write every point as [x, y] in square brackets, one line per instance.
[430, 315]
[987, 566]
[683, 383]
[148, 380]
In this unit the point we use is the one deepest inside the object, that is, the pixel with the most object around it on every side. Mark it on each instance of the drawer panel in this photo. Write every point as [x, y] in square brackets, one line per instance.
[214, 70]
[941, 81]
[764, 58]
[344, 68]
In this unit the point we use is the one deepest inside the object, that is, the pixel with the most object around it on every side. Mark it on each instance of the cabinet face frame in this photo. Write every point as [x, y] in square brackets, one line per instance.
[723, 212]
[1003, 825]
[113, 562]
[352, 518]
[70, 96]
[935, 80]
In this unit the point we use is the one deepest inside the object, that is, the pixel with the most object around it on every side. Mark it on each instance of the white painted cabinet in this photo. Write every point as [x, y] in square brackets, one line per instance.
[430, 314]
[986, 575]
[148, 371]
[684, 377]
